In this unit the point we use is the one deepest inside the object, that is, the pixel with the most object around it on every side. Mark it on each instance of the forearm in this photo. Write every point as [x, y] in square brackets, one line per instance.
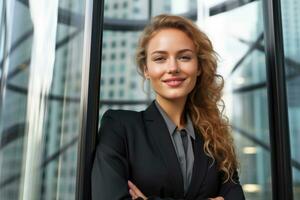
[158, 198]
[232, 189]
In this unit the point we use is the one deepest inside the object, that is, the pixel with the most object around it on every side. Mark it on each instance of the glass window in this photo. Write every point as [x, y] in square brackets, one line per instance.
[238, 39]
[129, 9]
[113, 44]
[123, 55]
[120, 67]
[111, 81]
[237, 35]
[123, 43]
[112, 56]
[39, 89]
[291, 36]
[122, 80]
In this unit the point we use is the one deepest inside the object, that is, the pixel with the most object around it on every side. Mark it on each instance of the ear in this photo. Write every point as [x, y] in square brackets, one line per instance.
[146, 74]
[199, 71]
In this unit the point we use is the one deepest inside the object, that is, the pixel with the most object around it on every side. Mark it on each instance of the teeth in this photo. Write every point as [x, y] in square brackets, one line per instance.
[174, 82]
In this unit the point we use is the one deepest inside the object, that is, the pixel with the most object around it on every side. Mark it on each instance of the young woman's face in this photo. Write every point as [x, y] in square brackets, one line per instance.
[172, 64]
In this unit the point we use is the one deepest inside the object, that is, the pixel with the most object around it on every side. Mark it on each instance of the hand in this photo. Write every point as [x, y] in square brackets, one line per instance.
[135, 192]
[217, 198]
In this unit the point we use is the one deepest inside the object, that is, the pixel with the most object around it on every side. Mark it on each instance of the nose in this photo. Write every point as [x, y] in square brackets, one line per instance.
[173, 66]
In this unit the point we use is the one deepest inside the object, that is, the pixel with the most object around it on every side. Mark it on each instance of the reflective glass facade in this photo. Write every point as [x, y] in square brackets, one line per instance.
[40, 121]
[240, 44]
[45, 86]
[291, 36]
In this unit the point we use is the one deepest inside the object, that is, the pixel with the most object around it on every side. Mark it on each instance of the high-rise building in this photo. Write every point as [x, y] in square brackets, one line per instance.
[291, 36]
[119, 77]
[14, 99]
[57, 171]
[239, 28]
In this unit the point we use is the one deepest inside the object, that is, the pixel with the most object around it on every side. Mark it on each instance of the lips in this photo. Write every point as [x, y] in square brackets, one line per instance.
[174, 82]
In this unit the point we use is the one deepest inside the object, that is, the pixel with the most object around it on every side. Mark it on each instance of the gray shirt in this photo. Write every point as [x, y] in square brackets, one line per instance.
[186, 160]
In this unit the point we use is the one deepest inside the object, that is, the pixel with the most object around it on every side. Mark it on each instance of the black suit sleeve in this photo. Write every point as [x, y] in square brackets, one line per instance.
[110, 170]
[157, 198]
[232, 190]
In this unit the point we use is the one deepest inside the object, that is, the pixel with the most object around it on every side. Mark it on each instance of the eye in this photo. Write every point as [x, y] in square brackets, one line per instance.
[159, 59]
[185, 58]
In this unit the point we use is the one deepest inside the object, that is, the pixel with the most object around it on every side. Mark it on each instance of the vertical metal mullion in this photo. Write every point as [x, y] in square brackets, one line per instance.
[278, 113]
[90, 97]
[149, 19]
[149, 9]
[3, 26]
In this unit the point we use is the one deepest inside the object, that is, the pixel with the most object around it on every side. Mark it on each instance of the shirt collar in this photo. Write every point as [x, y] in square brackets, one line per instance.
[172, 126]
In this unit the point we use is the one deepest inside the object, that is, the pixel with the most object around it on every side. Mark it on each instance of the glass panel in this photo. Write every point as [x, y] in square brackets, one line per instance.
[187, 7]
[251, 73]
[257, 178]
[121, 85]
[251, 114]
[119, 80]
[40, 98]
[238, 39]
[291, 36]
[126, 9]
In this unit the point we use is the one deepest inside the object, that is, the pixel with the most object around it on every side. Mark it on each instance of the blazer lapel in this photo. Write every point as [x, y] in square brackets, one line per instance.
[200, 167]
[159, 134]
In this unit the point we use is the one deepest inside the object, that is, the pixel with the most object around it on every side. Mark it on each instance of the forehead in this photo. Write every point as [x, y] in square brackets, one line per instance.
[170, 40]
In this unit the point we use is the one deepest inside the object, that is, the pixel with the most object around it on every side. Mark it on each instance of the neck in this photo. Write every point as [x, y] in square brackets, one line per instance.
[174, 109]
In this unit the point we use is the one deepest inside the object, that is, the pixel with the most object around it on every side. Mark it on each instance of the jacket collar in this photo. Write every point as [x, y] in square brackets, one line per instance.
[172, 126]
[158, 132]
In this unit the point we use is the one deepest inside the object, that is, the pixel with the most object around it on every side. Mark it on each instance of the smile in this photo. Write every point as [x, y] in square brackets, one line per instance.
[174, 82]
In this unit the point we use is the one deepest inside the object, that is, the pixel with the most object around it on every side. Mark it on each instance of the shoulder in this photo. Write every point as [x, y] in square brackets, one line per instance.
[122, 116]
[121, 113]
[120, 123]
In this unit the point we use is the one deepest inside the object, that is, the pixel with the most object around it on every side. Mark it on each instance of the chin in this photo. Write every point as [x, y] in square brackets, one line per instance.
[175, 96]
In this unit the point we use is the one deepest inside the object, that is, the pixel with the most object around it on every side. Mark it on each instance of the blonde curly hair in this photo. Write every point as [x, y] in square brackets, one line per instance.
[204, 100]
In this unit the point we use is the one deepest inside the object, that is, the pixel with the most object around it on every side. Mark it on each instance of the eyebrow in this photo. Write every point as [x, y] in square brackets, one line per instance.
[165, 52]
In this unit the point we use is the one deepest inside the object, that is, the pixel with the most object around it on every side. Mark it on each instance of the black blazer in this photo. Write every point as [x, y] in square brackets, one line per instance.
[137, 146]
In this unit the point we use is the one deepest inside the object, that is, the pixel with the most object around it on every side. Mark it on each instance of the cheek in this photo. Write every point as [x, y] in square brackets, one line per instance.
[155, 72]
[191, 70]
[192, 83]
[193, 74]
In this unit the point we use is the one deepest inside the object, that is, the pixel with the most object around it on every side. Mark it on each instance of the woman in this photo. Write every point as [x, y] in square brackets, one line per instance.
[180, 146]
